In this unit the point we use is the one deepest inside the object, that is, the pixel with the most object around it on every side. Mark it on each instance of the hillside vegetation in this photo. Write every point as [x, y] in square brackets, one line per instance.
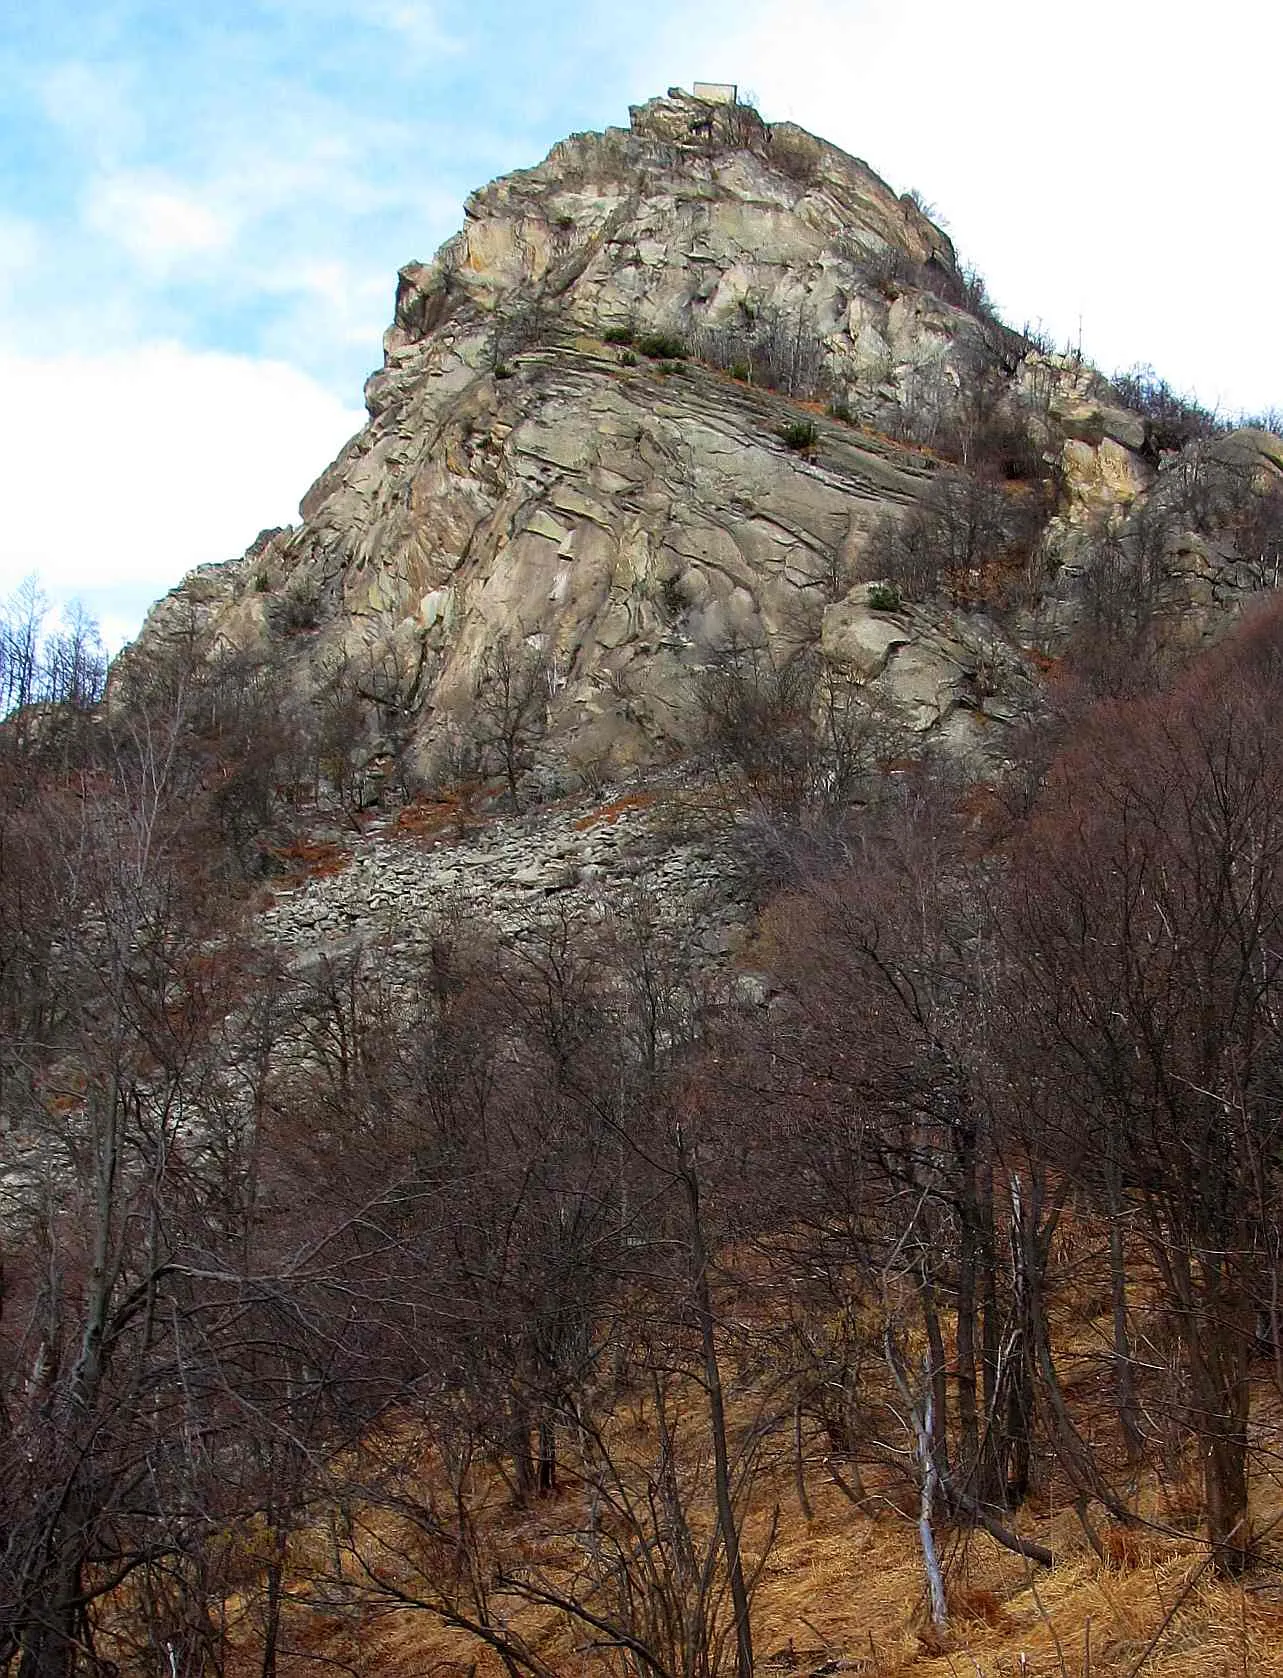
[553, 1294]
[653, 1047]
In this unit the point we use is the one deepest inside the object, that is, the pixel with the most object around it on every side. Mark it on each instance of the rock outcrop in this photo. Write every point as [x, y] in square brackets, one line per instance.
[648, 405]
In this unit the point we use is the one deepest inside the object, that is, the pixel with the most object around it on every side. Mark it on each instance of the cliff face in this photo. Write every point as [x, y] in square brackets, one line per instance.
[531, 487]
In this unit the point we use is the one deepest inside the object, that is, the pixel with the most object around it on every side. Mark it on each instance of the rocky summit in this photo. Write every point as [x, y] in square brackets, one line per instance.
[706, 392]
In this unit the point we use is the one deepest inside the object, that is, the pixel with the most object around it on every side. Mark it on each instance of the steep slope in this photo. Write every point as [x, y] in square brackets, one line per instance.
[533, 500]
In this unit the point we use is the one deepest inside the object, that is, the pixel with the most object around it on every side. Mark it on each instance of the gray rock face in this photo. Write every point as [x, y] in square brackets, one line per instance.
[696, 219]
[524, 483]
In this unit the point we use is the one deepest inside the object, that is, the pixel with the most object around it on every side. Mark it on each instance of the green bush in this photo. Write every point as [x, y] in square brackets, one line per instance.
[662, 346]
[883, 598]
[800, 435]
[742, 371]
[618, 335]
[503, 371]
[627, 359]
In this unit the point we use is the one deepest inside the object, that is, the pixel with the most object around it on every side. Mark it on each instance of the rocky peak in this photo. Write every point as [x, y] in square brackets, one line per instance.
[700, 221]
[649, 411]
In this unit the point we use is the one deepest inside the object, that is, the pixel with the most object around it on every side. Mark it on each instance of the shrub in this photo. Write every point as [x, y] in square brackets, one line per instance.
[662, 346]
[883, 597]
[799, 435]
[672, 601]
[769, 347]
[795, 735]
[618, 335]
[503, 371]
[627, 359]
[1171, 420]
[923, 205]
[968, 540]
[297, 608]
[970, 421]
[964, 288]
[891, 270]
[262, 583]
[1268, 419]
[841, 410]
[796, 154]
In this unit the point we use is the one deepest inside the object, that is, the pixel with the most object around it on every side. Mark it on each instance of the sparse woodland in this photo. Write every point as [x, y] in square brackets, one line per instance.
[559, 1306]
[530, 1312]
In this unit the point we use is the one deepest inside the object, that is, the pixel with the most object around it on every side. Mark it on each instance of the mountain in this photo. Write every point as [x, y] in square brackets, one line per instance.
[678, 396]
[747, 1218]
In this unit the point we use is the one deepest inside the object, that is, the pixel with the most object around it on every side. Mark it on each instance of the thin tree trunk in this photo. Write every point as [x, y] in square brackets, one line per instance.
[968, 1459]
[272, 1617]
[1018, 1454]
[547, 1456]
[938, 1376]
[1218, 1338]
[717, 1419]
[49, 1639]
[995, 1444]
[799, 1469]
[1124, 1384]
[930, 1493]
[523, 1461]
[924, 1426]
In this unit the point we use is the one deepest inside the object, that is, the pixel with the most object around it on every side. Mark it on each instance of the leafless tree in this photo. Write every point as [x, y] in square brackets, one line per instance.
[796, 736]
[969, 539]
[509, 709]
[1144, 932]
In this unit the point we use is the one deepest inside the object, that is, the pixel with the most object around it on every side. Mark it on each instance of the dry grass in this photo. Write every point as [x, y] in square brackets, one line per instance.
[843, 1592]
[610, 813]
[310, 859]
[848, 1589]
[451, 815]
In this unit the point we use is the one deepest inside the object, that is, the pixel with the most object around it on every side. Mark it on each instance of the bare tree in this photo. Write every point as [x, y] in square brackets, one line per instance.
[151, 1335]
[509, 709]
[884, 1156]
[795, 734]
[969, 539]
[1144, 932]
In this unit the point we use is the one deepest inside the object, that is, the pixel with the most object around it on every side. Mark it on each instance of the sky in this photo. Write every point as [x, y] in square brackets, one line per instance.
[204, 203]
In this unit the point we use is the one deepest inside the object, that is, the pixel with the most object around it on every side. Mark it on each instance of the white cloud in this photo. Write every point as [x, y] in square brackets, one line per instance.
[130, 468]
[93, 104]
[416, 24]
[347, 305]
[161, 223]
[20, 249]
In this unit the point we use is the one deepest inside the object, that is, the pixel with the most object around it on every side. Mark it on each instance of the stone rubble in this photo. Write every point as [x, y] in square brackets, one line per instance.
[583, 861]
